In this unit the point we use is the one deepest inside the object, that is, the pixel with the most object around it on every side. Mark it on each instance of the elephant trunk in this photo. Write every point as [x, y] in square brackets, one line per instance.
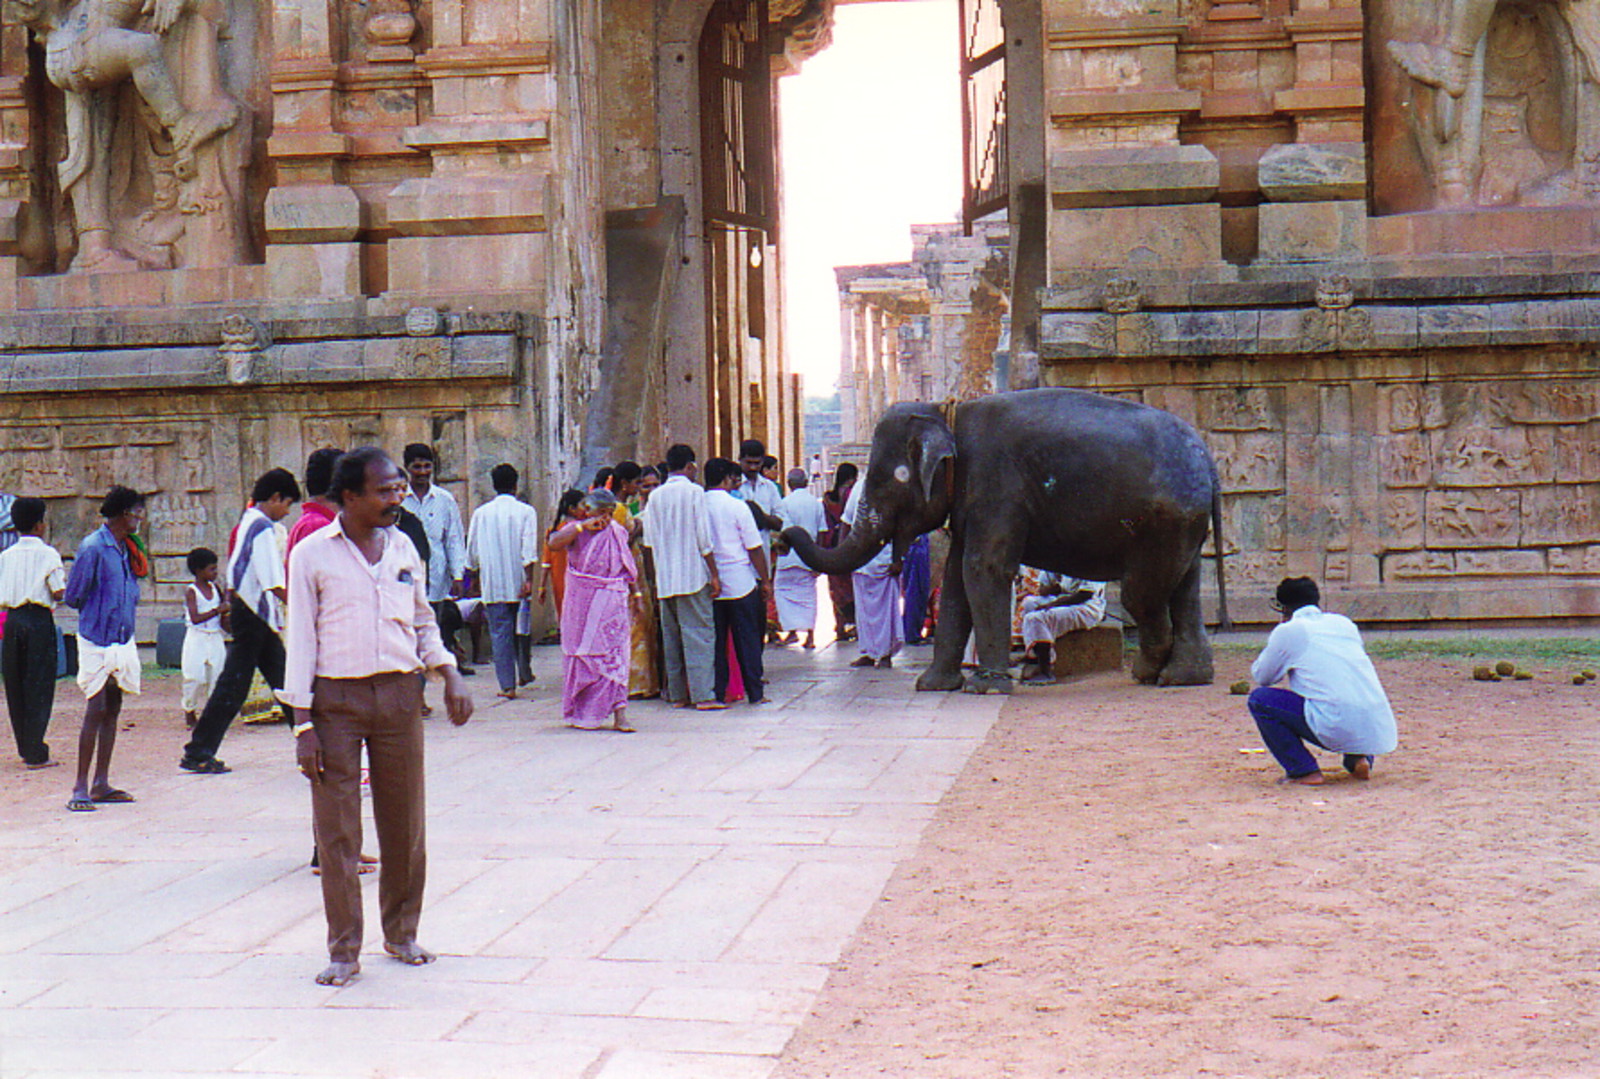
[857, 550]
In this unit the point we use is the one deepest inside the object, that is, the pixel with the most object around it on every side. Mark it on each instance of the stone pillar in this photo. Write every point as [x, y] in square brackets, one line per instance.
[312, 218]
[848, 377]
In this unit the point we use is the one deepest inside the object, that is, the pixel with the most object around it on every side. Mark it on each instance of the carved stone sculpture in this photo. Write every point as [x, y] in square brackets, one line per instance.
[154, 145]
[1505, 100]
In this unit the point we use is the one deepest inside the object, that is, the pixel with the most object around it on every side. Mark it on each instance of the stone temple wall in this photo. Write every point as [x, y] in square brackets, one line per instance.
[1356, 246]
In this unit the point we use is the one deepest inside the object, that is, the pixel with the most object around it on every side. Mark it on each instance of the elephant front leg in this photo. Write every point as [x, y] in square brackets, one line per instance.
[951, 630]
[989, 595]
[1190, 661]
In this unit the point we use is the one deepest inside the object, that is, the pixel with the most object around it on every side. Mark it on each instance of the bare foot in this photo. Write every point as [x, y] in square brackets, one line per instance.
[1361, 769]
[410, 953]
[885, 663]
[863, 661]
[508, 694]
[339, 974]
[811, 641]
[1310, 779]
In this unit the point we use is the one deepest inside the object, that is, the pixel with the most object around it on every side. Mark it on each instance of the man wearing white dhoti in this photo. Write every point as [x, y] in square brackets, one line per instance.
[795, 585]
[877, 593]
[1063, 605]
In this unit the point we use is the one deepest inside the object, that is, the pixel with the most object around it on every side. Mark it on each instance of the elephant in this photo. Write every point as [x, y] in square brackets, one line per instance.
[1087, 485]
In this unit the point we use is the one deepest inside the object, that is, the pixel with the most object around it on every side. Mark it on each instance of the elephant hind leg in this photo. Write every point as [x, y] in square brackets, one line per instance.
[1190, 661]
[1146, 601]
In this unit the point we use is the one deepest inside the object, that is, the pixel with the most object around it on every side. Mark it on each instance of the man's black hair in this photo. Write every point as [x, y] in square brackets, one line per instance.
[602, 477]
[626, 471]
[319, 471]
[504, 478]
[679, 457]
[417, 451]
[120, 500]
[1296, 592]
[275, 482]
[718, 469]
[26, 513]
[199, 559]
[752, 447]
[350, 471]
[768, 461]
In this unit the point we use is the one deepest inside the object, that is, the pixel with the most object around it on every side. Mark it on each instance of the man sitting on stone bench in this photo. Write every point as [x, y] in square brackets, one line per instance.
[1063, 605]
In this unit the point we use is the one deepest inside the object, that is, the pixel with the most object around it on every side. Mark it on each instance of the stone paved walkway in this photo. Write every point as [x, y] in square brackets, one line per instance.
[605, 906]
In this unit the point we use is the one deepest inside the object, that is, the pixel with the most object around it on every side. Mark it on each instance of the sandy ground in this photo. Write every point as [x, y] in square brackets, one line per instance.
[1117, 887]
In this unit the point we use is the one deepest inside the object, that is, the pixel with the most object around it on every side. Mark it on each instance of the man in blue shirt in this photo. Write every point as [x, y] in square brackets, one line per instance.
[104, 589]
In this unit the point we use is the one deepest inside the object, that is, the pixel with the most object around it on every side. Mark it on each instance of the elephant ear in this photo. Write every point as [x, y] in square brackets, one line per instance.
[930, 448]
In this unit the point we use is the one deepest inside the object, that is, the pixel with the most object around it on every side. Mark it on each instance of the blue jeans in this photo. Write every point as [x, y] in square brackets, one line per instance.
[1280, 716]
[502, 619]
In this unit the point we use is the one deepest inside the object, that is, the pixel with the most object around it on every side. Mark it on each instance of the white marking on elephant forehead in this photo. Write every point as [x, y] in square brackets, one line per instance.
[902, 474]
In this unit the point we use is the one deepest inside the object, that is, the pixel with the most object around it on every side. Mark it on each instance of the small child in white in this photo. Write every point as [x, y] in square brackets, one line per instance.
[203, 647]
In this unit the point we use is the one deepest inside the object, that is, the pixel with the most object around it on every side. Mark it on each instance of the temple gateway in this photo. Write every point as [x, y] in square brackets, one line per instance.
[1356, 246]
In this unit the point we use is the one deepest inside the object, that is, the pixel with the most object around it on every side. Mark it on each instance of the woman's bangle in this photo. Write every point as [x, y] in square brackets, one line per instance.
[301, 728]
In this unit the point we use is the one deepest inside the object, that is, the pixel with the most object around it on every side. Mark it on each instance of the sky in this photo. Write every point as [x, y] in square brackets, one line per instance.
[871, 144]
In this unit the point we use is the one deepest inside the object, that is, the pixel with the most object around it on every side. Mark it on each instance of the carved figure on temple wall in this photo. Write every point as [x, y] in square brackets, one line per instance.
[154, 148]
[1506, 102]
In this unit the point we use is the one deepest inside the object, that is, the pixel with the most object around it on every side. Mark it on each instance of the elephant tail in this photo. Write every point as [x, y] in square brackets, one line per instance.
[1224, 623]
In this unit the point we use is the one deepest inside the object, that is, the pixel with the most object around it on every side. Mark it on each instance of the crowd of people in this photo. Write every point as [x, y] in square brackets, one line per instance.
[668, 580]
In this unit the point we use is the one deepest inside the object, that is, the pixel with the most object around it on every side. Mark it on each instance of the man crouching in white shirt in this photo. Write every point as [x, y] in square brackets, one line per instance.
[1334, 699]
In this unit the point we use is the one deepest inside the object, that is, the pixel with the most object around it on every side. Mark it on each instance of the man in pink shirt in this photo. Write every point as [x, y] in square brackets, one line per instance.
[360, 629]
[318, 509]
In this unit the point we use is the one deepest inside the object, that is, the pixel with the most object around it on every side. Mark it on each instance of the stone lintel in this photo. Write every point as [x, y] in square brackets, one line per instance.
[1328, 24]
[469, 205]
[1313, 172]
[323, 362]
[312, 214]
[1077, 105]
[295, 75]
[1138, 176]
[1298, 99]
[318, 145]
[1123, 31]
[478, 135]
[1281, 330]
[517, 59]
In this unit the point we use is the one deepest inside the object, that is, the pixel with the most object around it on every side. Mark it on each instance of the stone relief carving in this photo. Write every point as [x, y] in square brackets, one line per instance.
[1335, 323]
[1504, 105]
[1472, 518]
[153, 146]
[243, 341]
[1249, 462]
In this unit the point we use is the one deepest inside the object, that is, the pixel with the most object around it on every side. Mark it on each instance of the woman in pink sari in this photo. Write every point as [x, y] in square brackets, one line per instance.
[596, 618]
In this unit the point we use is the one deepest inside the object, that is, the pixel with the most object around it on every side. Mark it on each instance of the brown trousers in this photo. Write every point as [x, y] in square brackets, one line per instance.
[384, 712]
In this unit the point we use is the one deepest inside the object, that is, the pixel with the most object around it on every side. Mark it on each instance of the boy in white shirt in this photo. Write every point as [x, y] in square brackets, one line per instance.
[204, 650]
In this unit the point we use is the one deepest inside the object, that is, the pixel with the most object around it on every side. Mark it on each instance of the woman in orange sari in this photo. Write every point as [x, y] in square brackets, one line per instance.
[553, 577]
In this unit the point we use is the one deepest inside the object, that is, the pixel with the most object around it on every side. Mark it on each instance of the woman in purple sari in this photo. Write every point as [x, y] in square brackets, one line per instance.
[597, 617]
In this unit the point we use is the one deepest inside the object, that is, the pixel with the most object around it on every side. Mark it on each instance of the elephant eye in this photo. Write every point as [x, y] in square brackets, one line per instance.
[902, 473]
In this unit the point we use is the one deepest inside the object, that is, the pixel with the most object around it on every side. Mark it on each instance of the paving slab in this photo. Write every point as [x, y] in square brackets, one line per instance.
[604, 906]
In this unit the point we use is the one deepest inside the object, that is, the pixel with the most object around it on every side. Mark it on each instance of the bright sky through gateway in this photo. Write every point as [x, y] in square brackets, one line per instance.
[871, 144]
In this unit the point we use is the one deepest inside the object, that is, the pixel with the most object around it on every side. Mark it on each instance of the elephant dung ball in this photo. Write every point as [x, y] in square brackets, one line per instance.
[1523, 676]
[1505, 667]
[1239, 689]
[1588, 676]
[1482, 674]
[1579, 680]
